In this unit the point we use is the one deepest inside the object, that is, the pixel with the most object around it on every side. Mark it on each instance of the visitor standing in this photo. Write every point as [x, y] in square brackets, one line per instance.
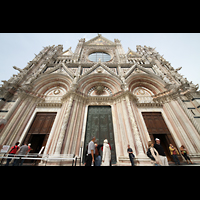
[12, 153]
[184, 152]
[91, 153]
[97, 154]
[106, 158]
[161, 152]
[131, 155]
[174, 152]
[21, 153]
[153, 154]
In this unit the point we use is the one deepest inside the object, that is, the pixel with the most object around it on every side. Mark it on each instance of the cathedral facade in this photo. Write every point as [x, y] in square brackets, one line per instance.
[61, 99]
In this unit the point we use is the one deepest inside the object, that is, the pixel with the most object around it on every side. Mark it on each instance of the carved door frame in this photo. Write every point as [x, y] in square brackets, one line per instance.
[85, 128]
[160, 130]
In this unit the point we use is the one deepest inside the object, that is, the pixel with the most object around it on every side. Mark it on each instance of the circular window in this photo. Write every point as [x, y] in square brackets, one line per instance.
[94, 57]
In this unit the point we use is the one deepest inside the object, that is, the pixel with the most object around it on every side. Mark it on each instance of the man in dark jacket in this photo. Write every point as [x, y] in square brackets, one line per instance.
[161, 152]
[131, 155]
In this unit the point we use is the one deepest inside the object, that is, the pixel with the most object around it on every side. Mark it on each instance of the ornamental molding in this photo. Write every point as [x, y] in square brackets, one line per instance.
[100, 100]
[156, 105]
[58, 105]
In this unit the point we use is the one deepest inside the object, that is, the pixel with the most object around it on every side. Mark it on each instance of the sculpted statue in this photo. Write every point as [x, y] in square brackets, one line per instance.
[184, 80]
[193, 88]
[124, 84]
[165, 79]
[176, 70]
[16, 68]
[173, 88]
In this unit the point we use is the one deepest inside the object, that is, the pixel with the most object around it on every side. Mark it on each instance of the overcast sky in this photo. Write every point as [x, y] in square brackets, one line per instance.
[180, 49]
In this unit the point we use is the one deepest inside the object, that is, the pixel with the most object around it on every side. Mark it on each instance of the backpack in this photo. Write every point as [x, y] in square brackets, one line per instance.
[15, 150]
[150, 155]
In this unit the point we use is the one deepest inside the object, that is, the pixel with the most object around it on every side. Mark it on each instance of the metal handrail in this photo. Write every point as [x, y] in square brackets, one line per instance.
[42, 157]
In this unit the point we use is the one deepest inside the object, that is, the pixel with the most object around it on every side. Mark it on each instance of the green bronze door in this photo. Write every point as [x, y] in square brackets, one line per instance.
[100, 125]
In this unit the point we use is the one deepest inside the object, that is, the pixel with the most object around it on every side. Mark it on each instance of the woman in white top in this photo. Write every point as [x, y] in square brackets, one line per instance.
[106, 154]
[155, 154]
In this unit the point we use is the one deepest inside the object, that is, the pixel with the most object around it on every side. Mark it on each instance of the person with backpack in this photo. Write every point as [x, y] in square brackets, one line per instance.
[153, 154]
[12, 151]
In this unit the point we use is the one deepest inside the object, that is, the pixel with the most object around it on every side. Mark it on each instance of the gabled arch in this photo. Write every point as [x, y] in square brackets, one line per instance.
[60, 66]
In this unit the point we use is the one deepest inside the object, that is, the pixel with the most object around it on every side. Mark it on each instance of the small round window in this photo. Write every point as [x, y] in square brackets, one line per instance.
[94, 57]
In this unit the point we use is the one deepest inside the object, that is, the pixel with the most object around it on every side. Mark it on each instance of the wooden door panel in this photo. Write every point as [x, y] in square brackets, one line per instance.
[155, 123]
[41, 125]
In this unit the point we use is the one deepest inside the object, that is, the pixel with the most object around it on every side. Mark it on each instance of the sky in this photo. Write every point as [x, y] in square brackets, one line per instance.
[180, 49]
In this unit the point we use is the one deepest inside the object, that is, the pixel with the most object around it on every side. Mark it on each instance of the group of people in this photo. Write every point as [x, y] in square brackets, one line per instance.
[155, 152]
[158, 157]
[20, 152]
[93, 154]
[94, 151]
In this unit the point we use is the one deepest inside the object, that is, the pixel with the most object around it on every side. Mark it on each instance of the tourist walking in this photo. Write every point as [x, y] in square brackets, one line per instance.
[29, 149]
[131, 155]
[21, 152]
[184, 152]
[152, 153]
[161, 152]
[106, 158]
[174, 152]
[91, 153]
[12, 152]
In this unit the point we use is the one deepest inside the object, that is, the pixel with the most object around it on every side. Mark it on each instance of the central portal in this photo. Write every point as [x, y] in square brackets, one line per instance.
[100, 125]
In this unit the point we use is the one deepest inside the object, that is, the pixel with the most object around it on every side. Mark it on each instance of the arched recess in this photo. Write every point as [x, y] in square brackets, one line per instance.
[46, 82]
[88, 82]
[152, 83]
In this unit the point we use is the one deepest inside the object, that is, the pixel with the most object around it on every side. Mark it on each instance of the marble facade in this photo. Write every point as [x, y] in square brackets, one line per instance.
[131, 83]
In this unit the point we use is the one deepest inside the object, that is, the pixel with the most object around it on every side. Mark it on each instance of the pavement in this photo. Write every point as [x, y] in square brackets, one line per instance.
[184, 164]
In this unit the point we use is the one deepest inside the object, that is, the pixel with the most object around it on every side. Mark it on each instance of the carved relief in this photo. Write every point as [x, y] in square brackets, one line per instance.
[99, 90]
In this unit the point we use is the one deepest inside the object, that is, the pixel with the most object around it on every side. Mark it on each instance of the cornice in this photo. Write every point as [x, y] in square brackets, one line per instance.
[100, 99]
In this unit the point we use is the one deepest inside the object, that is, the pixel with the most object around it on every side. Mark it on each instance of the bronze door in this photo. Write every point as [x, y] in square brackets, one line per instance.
[100, 125]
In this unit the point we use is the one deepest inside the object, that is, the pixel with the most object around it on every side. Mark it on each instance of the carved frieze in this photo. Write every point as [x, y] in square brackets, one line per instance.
[44, 104]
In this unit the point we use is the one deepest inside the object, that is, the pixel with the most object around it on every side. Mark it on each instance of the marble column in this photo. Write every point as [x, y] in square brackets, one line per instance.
[64, 126]
[135, 129]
